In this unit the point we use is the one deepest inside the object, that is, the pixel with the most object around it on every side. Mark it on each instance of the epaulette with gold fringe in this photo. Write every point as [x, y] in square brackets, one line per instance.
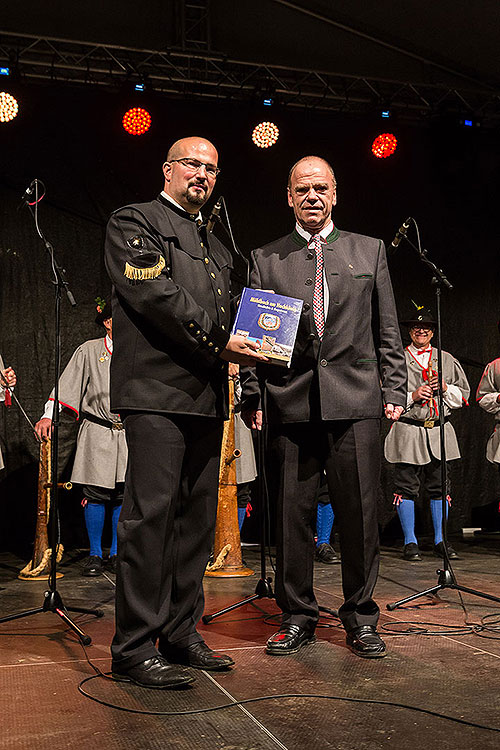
[141, 274]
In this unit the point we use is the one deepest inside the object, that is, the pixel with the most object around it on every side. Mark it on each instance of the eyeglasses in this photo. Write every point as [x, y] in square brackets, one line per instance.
[422, 328]
[194, 166]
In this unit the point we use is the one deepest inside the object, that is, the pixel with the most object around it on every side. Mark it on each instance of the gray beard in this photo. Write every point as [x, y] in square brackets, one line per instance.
[194, 200]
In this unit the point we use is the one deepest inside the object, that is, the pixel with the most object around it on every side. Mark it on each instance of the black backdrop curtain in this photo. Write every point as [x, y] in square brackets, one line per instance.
[448, 178]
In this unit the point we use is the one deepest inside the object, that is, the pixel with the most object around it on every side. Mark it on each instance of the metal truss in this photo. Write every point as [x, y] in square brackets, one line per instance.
[192, 70]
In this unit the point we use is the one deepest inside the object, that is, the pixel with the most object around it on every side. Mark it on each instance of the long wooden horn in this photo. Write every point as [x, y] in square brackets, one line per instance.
[227, 546]
[39, 566]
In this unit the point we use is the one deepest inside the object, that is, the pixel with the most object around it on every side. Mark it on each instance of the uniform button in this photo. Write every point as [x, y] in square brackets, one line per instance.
[219, 291]
[222, 309]
[212, 274]
[201, 244]
[311, 337]
[306, 306]
[203, 338]
[308, 282]
[323, 363]
[198, 332]
[223, 328]
[210, 343]
[207, 260]
[310, 256]
[216, 349]
[191, 325]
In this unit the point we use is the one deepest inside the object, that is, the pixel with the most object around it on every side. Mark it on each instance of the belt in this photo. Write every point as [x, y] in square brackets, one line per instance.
[102, 422]
[427, 423]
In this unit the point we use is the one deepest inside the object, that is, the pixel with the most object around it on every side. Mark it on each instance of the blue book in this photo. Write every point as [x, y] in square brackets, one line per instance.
[270, 319]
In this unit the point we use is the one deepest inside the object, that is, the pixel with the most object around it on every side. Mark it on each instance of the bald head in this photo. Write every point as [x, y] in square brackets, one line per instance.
[312, 192]
[188, 182]
[312, 159]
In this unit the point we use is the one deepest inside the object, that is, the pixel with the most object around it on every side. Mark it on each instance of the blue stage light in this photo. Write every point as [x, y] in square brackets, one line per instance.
[4, 71]
[468, 123]
[139, 87]
[267, 102]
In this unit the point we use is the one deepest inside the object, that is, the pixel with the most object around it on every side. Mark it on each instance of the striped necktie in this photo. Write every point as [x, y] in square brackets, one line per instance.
[318, 294]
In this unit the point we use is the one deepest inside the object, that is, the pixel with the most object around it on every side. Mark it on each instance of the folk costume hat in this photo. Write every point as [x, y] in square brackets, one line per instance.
[421, 316]
[103, 311]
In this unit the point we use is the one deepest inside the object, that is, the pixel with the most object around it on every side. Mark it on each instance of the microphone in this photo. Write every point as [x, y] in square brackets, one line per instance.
[214, 216]
[401, 233]
[27, 194]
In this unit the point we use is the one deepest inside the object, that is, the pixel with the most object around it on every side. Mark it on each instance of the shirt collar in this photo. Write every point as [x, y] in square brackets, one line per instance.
[198, 217]
[418, 352]
[307, 235]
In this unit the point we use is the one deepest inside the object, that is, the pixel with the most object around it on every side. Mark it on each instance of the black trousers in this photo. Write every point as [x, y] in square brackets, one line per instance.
[409, 478]
[165, 532]
[349, 453]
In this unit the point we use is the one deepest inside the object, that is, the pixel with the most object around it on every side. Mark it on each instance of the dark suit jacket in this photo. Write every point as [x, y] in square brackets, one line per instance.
[360, 361]
[167, 330]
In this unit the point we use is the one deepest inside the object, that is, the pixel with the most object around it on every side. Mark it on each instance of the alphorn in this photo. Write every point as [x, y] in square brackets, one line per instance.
[227, 546]
[39, 566]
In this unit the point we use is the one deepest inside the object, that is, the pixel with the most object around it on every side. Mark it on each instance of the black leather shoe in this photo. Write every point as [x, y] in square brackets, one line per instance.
[364, 641]
[92, 566]
[154, 673]
[197, 655]
[411, 552]
[288, 640]
[326, 554]
[439, 551]
[111, 566]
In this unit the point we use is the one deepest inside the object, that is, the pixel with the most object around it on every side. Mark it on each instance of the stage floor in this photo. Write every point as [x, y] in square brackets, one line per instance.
[42, 664]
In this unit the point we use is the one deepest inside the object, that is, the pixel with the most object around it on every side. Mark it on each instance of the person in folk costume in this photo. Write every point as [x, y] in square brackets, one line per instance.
[488, 398]
[7, 380]
[101, 448]
[413, 443]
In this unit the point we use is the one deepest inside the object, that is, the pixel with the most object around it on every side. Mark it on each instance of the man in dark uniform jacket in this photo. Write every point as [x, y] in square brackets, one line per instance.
[171, 322]
[347, 368]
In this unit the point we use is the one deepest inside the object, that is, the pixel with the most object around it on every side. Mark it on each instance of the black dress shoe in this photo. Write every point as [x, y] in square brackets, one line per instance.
[365, 641]
[92, 566]
[288, 640]
[197, 655]
[411, 552]
[111, 566]
[326, 554]
[154, 673]
[439, 551]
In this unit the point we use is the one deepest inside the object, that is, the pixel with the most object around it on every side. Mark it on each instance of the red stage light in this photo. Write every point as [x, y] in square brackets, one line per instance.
[8, 107]
[136, 121]
[384, 145]
[265, 134]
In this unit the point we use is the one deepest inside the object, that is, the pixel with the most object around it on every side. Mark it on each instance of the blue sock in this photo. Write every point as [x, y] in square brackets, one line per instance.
[242, 512]
[115, 514]
[406, 513]
[324, 522]
[94, 520]
[437, 519]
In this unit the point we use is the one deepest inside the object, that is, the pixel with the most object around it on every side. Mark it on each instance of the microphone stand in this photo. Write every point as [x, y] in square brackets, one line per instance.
[446, 576]
[52, 601]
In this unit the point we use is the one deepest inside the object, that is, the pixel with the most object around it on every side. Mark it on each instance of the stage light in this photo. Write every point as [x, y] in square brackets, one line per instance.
[4, 71]
[265, 134]
[136, 121]
[139, 87]
[385, 114]
[268, 102]
[468, 123]
[8, 107]
[384, 145]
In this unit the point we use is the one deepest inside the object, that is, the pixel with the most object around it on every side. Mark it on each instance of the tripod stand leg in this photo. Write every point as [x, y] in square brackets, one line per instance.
[27, 613]
[84, 611]
[85, 639]
[411, 598]
[475, 593]
[208, 618]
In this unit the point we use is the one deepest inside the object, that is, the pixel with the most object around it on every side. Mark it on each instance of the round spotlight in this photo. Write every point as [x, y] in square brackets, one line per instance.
[136, 121]
[8, 107]
[265, 134]
[384, 145]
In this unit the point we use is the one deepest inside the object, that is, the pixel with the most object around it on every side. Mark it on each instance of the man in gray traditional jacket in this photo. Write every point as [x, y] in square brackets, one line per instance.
[413, 443]
[488, 397]
[101, 448]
